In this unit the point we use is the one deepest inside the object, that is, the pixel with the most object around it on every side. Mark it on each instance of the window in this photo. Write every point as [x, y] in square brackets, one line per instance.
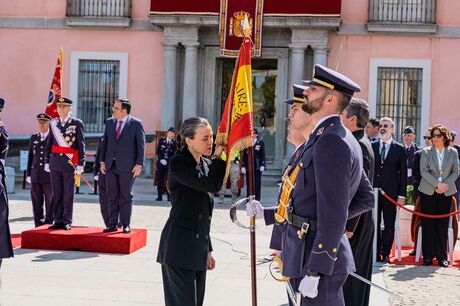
[98, 87]
[399, 96]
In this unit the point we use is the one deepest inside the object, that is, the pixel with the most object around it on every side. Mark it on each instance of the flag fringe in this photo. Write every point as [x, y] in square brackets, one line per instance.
[222, 138]
[241, 144]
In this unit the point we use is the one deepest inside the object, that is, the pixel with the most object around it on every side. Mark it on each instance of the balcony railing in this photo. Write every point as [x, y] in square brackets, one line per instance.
[403, 15]
[98, 12]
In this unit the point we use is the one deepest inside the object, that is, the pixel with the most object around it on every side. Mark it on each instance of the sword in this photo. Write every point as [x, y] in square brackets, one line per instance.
[359, 277]
[293, 296]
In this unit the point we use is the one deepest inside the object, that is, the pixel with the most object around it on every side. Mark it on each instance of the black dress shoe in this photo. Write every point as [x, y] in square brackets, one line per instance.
[427, 262]
[67, 227]
[110, 229]
[126, 229]
[443, 263]
[412, 253]
[386, 259]
[56, 226]
[158, 199]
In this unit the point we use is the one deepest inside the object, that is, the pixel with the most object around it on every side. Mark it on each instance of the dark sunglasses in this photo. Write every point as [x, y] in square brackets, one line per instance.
[385, 126]
[438, 135]
[427, 137]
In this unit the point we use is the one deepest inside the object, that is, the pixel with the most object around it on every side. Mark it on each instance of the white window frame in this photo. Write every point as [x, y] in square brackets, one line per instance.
[425, 65]
[75, 58]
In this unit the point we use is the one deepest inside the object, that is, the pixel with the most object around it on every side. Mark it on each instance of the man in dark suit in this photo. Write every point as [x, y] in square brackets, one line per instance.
[360, 230]
[102, 184]
[411, 147]
[64, 157]
[258, 149]
[316, 253]
[6, 246]
[391, 176]
[166, 149]
[40, 190]
[372, 129]
[122, 158]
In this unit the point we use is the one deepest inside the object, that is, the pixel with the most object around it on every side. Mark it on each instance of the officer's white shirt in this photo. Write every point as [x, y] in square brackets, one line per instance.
[44, 135]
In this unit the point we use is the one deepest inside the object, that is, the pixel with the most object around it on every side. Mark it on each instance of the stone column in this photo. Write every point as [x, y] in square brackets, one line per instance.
[297, 64]
[320, 55]
[189, 98]
[169, 86]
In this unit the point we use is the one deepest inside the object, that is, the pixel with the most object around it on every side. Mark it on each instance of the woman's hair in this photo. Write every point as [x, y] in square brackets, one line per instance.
[189, 126]
[444, 131]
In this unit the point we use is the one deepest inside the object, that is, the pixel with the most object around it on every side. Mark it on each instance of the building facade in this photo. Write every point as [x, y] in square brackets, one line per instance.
[164, 55]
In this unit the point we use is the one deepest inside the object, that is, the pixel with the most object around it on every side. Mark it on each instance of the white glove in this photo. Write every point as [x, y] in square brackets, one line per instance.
[253, 208]
[28, 180]
[47, 167]
[96, 177]
[79, 170]
[309, 286]
[262, 168]
[163, 162]
[243, 170]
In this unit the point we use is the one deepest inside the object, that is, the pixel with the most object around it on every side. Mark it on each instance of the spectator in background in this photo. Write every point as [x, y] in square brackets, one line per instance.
[166, 149]
[234, 177]
[391, 176]
[439, 170]
[259, 164]
[411, 147]
[453, 135]
[372, 129]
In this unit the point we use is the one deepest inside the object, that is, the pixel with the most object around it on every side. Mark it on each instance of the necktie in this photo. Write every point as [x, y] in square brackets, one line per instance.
[382, 152]
[118, 131]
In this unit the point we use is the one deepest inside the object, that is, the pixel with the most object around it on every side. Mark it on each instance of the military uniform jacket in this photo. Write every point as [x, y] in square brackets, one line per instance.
[36, 160]
[6, 247]
[185, 240]
[259, 155]
[330, 174]
[165, 150]
[3, 141]
[73, 133]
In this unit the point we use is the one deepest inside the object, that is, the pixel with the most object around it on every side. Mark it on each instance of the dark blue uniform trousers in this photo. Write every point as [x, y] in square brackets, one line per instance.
[329, 291]
[183, 287]
[120, 197]
[62, 183]
[42, 193]
[103, 201]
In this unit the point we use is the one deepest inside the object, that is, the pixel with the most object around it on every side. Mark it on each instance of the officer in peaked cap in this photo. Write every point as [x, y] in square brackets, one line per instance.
[40, 191]
[6, 246]
[258, 164]
[316, 253]
[64, 157]
[167, 147]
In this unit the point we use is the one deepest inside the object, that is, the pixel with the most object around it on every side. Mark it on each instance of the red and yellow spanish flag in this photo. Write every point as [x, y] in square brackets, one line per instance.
[56, 88]
[236, 128]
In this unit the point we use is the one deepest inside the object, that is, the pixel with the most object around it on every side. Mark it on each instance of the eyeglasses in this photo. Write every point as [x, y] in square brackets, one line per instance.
[438, 135]
[427, 137]
[385, 126]
[114, 108]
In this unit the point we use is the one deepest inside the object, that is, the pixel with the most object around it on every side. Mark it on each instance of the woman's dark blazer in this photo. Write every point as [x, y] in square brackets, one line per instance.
[185, 240]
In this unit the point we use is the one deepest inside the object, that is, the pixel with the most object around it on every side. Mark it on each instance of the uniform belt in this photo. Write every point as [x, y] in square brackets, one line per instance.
[298, 221]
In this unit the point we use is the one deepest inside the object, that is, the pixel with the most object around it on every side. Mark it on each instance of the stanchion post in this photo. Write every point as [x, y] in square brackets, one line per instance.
[375, 212]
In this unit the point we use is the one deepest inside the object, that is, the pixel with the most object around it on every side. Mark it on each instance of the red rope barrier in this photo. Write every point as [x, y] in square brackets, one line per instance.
[416, 212]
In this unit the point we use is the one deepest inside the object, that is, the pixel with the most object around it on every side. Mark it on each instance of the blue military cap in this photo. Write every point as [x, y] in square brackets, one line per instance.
[297, 93]
[43, 116]
[326, 77]
[409, 130]
[64, 101]
[171, 129]
[2, 103]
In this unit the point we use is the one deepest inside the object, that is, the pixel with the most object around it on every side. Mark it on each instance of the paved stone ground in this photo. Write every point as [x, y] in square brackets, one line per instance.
[42, 277]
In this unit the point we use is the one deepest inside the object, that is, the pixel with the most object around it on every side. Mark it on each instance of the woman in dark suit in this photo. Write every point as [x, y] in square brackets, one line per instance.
[185, 246]
[439, 170]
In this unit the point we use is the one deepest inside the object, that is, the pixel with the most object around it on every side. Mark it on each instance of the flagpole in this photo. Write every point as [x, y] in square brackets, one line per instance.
[252, 227]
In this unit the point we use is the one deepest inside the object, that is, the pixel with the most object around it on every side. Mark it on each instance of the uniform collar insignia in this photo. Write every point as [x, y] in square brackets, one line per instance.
[320, 131]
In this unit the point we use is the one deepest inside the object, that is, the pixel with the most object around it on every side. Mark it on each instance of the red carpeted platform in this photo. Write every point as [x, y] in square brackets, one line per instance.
[406, 259]
[16, 240]
[82, 238]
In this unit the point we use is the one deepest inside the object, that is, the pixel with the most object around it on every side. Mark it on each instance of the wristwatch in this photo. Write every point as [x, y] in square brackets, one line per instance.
[312, 273]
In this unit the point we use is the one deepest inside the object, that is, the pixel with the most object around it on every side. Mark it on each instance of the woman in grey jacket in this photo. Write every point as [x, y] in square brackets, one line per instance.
[439, 170]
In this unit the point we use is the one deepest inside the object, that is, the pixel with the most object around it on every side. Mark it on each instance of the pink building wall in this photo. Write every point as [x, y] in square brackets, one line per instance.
[28, 58]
